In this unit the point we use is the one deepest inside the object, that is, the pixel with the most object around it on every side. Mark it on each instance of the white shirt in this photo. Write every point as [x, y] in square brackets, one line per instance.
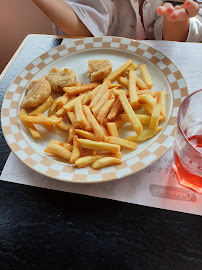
[121, 18]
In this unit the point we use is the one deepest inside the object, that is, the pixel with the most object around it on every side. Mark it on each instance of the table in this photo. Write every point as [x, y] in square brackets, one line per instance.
[46, 229]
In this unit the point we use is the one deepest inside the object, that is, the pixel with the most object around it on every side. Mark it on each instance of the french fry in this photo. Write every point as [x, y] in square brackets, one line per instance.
[68, 146]
[105, 109]
[85, 134]
[43, 107]
[115, 110]
[94, 124]
[117, 73]
[112, 129]
[63, 100]
[71, 135]
[155, 117]
[40, 119]
[145, 135]
[105, 161]
[146, 91]
[53, 106]
[62, 125]
[72, 118]
[148, 108]
[87, 160]
[76, 151]
[146, 76]
[80, 117]
[59, 150]
[121, 120]
[102, 89]
[76, 90]
[30, 127]
[147, 98]
[60, 112]
[70, 105]
[114, 85]
[140, 84]
[162, 102]
[123, 81]
[116, 92]
[102, 146]
[122, 142]
[106, 96]
[132, 67]
[132, 89]
[137, 126]
[104, 130]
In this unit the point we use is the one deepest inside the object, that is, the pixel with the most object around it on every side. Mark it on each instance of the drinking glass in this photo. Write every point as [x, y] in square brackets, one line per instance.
[187, 160]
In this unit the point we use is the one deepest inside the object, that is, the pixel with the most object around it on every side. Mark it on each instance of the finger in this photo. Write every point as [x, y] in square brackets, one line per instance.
[179, 15]
[192, 8]
[161, 10]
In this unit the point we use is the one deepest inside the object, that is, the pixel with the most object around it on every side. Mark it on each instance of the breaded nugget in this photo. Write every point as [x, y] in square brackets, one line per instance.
[59, 78]
[99, 69]
[38, 91]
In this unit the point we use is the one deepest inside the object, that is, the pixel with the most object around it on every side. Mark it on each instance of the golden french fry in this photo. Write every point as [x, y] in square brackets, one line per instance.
[146, 91]
[87, 160]
[70, 105]
[104, 130]
[155, 117]
[76, 151]
[43, 107]
[53, 106]
[162, 101]
[112, 129]
[105, 109]
[123, 81]
[102, 89]
[105, 161]
[115, 110]
[132, 88]
[59, 150]
[80, 117]
[146, 76]
[137, 126]
[121, 120]
[68, 146]
[116, 92]
[140, 84]
[114, 85]
[148, 108]
[122, 142]
[117, 73]
[30, 127]
[94, 124]
[106, 96]
[86, 134]
[132, 67]
[75, 90]
[102, 146]
[60, 112]
[63, 100]
[40, 119]
[71, 135]
[62, 125]
[72, 118]
[145, 135]
[147, 98]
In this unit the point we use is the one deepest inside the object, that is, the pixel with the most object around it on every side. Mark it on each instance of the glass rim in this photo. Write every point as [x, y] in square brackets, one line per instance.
[178, 118]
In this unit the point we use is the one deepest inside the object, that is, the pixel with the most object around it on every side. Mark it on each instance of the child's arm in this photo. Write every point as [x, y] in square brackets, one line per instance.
[176, 19]
[63, 16]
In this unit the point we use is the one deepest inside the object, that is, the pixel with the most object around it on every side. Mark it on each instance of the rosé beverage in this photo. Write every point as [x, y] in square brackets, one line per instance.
[187, 160]
[185, 175]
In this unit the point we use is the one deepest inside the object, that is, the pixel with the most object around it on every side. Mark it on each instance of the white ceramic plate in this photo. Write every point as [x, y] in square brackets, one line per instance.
[75, 55]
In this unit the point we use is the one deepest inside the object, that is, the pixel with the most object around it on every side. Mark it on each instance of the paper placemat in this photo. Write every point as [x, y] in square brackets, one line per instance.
[156, 185]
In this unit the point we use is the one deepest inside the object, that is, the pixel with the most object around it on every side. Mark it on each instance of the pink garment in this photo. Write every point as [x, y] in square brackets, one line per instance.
[140, 32]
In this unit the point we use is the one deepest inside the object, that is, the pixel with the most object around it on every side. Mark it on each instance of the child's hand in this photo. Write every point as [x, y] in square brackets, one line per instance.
[179, 12]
